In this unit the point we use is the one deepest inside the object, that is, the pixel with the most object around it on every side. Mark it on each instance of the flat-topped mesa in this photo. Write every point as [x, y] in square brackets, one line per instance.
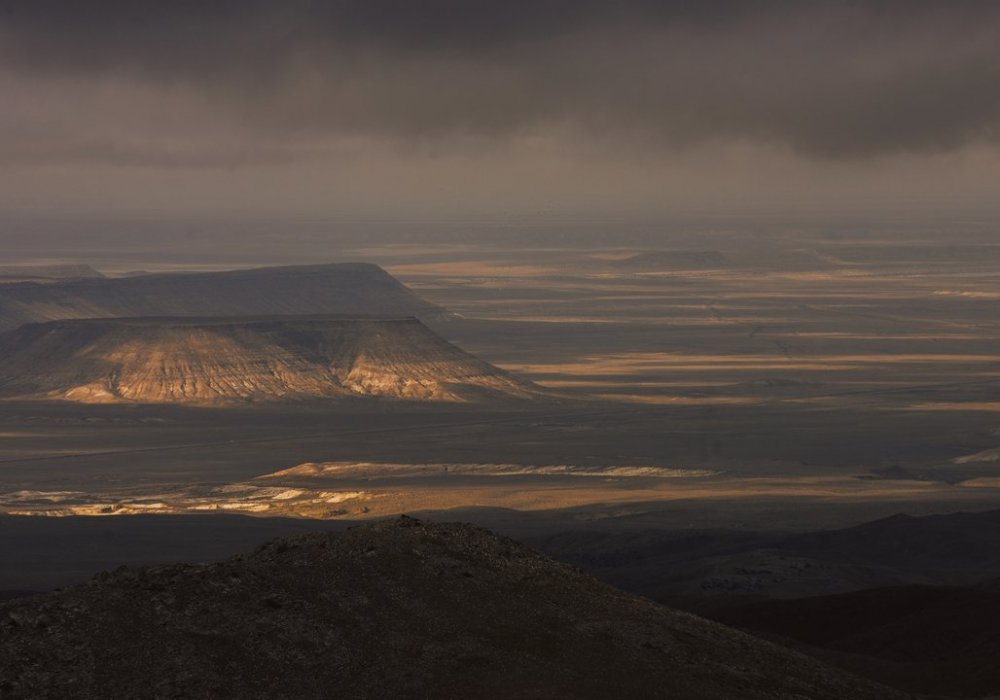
[345, 288]
[244, 359]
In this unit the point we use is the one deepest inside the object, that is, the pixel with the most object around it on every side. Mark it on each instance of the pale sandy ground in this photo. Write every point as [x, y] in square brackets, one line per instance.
[359, 491]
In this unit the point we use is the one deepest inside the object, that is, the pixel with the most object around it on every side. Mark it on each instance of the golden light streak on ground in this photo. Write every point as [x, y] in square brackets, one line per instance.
[471, 268]
[681, 400]
[986, 406]
[313, 494]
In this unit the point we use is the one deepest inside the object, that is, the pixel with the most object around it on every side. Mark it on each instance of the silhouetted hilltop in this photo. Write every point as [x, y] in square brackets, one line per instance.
[398, 609]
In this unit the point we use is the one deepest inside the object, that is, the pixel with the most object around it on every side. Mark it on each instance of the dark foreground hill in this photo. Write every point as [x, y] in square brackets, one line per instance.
[350, 288]
[212, 360]
[929, 639]
[399, 609]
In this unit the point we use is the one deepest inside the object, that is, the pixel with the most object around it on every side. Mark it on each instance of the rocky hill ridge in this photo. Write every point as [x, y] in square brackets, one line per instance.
[401, 608]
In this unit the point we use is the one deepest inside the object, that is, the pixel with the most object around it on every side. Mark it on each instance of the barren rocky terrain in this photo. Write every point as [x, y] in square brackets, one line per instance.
[403, 609]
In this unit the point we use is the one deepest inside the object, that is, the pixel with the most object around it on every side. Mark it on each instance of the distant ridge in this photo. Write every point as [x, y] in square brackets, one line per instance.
[243, 359]
[10, 273]
[343, 288]
[674, 259]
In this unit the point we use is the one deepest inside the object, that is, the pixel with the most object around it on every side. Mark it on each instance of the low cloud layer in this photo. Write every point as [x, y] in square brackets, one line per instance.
[262, 84]
[829, 79]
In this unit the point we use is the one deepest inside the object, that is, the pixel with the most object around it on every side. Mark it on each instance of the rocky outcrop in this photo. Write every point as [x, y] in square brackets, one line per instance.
[398, 609]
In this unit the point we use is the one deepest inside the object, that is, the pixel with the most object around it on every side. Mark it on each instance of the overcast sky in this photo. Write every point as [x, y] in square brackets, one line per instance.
[455, 109]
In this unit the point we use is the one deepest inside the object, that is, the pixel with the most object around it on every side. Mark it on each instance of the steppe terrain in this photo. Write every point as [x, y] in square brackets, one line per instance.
[706, 424]
[786, 381]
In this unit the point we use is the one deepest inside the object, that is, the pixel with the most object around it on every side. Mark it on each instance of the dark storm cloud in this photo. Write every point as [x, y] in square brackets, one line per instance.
[105, 24]
[827, 78]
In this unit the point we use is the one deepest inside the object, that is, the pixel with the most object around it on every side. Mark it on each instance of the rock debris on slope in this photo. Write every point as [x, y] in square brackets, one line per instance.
[397, 609]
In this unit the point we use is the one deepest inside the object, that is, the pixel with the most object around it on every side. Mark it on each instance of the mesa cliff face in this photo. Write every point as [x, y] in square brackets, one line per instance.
[398, 609]
[348, 288]
[213, 360]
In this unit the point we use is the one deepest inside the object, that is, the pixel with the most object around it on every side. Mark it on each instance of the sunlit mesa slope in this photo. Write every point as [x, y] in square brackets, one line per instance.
[212, 360]
[350, 288]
